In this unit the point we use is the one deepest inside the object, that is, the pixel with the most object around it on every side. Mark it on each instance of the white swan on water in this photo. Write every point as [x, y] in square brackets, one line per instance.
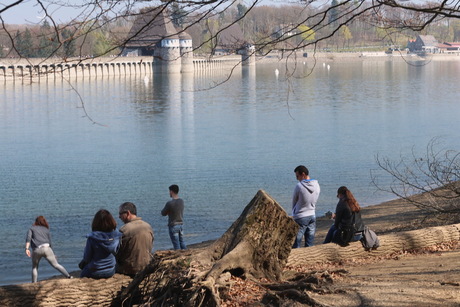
[277, 72]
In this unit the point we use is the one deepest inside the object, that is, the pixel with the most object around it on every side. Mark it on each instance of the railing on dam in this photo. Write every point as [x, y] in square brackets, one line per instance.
[46, 70]
[36, 70]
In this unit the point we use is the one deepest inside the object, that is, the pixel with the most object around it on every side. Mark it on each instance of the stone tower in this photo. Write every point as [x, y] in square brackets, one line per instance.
[186, 52]
[153, 33]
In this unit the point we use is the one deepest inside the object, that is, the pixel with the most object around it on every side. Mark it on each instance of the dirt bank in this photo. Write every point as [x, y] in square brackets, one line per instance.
[428, 277]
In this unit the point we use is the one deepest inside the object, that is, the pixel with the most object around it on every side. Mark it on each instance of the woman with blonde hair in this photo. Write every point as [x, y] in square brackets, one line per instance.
[348, 224]
[39, 239]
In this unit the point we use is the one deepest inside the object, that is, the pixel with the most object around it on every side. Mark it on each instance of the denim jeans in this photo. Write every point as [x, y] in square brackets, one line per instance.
[106, 273]
[333, 232]
[177, 236]
[307, 229]
[330, 234]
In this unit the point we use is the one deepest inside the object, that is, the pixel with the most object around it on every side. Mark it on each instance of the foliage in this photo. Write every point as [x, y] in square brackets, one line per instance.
[48, 41]
[23, 44]
[346, 34]
[69, 47]
[102, 45]
[436, 173]
[333, 12]
[242, 10]
[178, 15]
[306, 33]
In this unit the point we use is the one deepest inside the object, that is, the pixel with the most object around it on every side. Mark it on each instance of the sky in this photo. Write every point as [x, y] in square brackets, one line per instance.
[28, 12]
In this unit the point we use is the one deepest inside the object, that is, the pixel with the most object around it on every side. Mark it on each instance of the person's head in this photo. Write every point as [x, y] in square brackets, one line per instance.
[174, 189]
[103, 221]
[127, 211]
[41, 221]
[344, 193]
[301, 172]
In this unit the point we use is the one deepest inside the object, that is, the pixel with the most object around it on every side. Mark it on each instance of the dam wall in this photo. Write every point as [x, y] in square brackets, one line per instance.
[42, 70]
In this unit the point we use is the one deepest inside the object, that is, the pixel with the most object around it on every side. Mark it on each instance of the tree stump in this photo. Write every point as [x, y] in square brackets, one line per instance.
[257, 245]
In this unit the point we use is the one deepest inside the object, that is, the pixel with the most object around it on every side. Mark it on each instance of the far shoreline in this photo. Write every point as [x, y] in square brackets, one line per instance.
[353, 56]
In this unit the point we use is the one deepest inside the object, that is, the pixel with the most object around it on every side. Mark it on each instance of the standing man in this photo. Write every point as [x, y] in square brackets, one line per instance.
[306, 194]
[136, 242]
[175, 211]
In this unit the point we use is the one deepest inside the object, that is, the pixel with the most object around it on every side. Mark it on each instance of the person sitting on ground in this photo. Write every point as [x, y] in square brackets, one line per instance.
[101, 246]
[347, 219]
[136, 241]
[39, 238]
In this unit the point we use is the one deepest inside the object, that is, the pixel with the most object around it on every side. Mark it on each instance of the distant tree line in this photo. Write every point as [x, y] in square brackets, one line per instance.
[62, 41]
[338, 25]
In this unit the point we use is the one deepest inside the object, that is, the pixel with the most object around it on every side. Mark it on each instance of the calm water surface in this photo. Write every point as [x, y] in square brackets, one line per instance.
[220, 145]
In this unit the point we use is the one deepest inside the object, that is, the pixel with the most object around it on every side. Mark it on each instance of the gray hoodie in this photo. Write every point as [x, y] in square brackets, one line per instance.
[306, 194]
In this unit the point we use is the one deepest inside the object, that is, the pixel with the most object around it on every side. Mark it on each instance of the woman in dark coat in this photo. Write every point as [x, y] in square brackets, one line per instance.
[347, 218]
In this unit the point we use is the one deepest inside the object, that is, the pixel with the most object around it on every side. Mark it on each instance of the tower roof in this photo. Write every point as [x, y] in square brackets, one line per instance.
[151, 26]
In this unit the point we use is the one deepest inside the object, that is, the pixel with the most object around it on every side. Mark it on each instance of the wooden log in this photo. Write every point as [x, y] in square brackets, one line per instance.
[390, 243]
[64, 292]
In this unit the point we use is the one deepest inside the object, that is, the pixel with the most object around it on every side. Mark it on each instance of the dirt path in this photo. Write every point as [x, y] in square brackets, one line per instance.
[408, 280]
[421, 279]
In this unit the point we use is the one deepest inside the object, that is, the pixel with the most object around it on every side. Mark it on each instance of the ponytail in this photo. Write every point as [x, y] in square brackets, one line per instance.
[349, 198]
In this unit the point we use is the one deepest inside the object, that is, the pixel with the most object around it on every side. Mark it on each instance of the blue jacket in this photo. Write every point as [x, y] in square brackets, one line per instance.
[99, 254]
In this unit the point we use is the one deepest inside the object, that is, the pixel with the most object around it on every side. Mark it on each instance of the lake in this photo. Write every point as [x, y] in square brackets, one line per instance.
[68, 150]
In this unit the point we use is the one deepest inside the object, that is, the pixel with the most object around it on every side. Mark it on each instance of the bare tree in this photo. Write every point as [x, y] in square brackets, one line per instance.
[323, 18]
[435, 175]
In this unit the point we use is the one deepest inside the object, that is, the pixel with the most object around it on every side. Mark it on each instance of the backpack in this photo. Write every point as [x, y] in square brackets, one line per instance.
[370, 240]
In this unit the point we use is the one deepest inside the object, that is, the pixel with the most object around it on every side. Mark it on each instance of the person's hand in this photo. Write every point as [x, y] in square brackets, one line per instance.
[28, 253]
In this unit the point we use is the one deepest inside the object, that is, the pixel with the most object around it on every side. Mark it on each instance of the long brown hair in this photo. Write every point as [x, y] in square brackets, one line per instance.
[349, 198]
[103, 221]
[41, 221]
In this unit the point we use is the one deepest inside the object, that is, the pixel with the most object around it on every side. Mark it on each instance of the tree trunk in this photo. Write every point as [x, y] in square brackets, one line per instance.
[395, 242]
[256, 245]
[64, 292]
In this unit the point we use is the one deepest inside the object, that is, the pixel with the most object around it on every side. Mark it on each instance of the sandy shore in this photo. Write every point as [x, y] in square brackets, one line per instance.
[421, 278]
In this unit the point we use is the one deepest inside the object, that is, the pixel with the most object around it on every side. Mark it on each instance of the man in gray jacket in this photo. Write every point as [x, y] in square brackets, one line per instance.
[304, 199]
[136, 243]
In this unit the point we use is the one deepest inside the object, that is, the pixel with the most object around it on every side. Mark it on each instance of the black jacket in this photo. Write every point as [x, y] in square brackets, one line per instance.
[344, 216]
